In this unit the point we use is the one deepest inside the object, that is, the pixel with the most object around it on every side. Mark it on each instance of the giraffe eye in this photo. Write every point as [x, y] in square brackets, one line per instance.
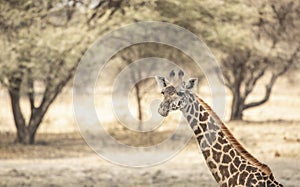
[162, 92]
[180, 93]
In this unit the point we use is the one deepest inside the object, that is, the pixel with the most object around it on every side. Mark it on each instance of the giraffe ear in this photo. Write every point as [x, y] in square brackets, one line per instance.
[162, 82]
[191, 83]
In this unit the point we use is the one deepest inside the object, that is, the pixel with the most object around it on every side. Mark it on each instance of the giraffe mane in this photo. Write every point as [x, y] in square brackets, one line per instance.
[244, 153]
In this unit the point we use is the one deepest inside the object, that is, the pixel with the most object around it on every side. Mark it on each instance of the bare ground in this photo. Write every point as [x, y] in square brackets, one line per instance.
[66, 160]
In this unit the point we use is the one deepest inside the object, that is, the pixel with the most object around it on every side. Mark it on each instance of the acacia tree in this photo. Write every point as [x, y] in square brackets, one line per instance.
[41, 48]
[242, 70]
[253, 40]
[34, 64]
[275, 49]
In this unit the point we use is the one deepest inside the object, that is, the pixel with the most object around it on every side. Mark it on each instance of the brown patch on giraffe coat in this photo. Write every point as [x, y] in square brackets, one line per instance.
[251, 169]
[193, 123]
[210, 137]
[204, 116]
[261, 184]
[224, 171]
[189, 118]
[192, 110]
[216, 155]
[188, 108]
[254, 181]
[269, 184]
[216, 176]
[259, 177]
[201, 108]
[232, 168]
[240, 149]
[237, 162]
[198, 130]
[242, 177]
[203, 126]
[196, 105]
[212, 165]
[199, 138]
[212, 126]
[232, 182]
[222, 140]
[231, 153]
[226, 148]
[277, 183]
[204, 144]
[226, 158]
[249, 180]
[206, 153]
[217, 146]
[242, 167]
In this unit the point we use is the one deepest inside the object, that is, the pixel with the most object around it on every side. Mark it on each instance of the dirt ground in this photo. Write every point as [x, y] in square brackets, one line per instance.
[66, 160]
[62, 158]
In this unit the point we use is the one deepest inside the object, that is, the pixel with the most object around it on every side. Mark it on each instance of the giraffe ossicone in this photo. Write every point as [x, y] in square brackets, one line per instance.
[228, 161]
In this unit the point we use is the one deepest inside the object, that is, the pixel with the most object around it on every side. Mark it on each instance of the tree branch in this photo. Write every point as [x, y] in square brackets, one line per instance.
[269, 87]
[226, 81]
[290, 61]
[30, 92]
[252, 82]
[50, 97]
[14, 89]
[274, 77]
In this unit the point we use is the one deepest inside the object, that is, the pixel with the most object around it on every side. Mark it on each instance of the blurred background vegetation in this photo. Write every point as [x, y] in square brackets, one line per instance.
[256, 43]
[42, 43]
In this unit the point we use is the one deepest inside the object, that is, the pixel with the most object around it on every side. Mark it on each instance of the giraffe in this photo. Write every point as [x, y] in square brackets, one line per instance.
[228, 161]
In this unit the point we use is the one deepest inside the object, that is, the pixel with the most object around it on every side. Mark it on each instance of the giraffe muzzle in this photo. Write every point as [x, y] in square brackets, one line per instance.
[162, 112]
[163, 109]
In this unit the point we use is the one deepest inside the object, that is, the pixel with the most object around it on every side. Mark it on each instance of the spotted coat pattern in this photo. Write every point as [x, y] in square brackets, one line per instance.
[227, 165]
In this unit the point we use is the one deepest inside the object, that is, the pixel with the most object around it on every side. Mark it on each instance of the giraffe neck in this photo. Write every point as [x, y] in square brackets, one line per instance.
[226, 159]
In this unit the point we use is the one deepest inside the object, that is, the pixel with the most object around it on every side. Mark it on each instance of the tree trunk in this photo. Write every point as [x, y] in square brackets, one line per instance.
[237, 107]
[25, 133]
[25, 136]
[139, 103]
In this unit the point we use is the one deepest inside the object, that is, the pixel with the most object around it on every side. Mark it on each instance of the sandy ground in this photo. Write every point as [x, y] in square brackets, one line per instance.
[65, 160]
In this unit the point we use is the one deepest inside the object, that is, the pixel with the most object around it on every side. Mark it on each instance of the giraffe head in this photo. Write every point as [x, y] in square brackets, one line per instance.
[174, 92]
